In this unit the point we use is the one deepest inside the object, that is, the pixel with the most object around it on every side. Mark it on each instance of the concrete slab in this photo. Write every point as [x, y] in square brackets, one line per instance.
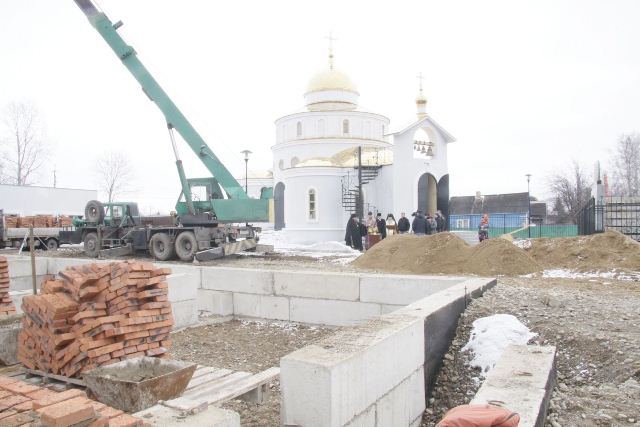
[365, 419]
[20, 266]
[209, 416]
[324, 285]
[17, 296]
[401, 289]
[183, 286]
[261, 306]
[331, 382]
[402, 405]
[331, 312]
[24, 283]
[245, 280]
[522, 381]
[184, 313]
[219, 303]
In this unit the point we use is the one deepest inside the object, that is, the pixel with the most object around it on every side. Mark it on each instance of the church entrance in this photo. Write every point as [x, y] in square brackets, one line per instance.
[427, 194]
[278, 206]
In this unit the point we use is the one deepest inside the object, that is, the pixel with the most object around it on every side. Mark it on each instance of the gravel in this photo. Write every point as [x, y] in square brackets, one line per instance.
[595, 326]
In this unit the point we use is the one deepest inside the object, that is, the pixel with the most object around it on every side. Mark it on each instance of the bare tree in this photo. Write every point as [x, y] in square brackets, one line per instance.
[24, 142]
[571, 189]
[626, 166]
[115, 174]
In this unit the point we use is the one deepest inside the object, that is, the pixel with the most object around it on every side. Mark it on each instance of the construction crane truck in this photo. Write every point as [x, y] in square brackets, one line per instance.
[211, 227]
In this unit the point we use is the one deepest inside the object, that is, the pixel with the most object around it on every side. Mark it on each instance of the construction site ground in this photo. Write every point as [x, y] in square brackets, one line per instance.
[246, 346]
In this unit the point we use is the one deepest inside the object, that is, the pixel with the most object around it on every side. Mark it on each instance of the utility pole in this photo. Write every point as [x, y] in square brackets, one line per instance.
[32, 253]
[54, 177]
[359, 204]
[529, 200]
[246, 170]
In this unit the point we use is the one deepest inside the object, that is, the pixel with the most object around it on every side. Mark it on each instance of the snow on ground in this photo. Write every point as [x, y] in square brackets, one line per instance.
[522, 243]
[338, 251]
[491, 335]
[561, 273]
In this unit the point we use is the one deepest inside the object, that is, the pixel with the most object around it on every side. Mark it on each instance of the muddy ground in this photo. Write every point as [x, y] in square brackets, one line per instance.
[595, 325]
[246, 346]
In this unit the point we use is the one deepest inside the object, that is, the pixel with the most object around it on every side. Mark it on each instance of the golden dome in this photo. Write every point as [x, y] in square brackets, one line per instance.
[421, 99]
[331, 79]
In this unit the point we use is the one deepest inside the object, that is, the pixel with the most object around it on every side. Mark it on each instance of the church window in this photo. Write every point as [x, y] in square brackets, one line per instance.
[281, 164]
[299, 129]
[321, 128]
[312, 204]
[345, 127]
[383, 130]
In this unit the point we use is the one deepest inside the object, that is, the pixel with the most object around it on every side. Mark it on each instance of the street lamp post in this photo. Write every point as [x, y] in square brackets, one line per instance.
[529, 200]
[246, 170]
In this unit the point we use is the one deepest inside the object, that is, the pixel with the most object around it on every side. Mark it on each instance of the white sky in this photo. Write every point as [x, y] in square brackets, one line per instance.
[524, 86]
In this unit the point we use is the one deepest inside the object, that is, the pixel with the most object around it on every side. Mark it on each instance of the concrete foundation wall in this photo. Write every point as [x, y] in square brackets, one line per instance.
[376, 373]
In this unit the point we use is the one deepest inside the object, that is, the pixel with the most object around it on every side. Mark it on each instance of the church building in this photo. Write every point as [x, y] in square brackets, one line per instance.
[323, 153]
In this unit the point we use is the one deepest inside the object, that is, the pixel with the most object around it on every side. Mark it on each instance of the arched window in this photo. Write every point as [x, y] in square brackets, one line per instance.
[312, 205]
[383, 130]
[345, 127]
[284, 133]
[281, 164]
[299, 129]
[321, 128]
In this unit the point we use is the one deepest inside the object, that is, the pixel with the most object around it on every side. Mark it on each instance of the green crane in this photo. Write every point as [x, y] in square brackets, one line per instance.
[226, 201]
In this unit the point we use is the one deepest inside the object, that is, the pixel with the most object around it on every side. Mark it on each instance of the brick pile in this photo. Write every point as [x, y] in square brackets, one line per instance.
[6, 305]
[94, 315]
[24, 404]
[11, 221]
[38, 221]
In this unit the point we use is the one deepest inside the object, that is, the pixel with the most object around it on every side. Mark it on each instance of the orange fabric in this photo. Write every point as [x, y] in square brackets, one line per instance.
[479, 416]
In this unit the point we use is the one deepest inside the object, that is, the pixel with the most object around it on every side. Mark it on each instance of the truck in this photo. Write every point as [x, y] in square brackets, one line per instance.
[47, 238]
[214, 225]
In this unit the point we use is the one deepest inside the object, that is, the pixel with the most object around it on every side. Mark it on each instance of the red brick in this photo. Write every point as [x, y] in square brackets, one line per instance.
[100, 422]
[125, 420]
[110, 412]
[7, 413]
[20, 419]
[66, 414]
[24, 406]
[20, 387]
[13, 400]
[41, 394]
[59, 397]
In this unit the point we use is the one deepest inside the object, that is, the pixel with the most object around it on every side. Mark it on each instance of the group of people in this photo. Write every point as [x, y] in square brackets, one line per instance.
[421, 225]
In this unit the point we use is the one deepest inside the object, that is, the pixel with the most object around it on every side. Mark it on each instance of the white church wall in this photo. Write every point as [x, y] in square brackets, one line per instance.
[332, 125]
[330, 219]
[379, 192]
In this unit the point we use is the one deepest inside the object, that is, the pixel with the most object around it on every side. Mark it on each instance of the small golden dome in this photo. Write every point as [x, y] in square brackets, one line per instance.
[331, 79]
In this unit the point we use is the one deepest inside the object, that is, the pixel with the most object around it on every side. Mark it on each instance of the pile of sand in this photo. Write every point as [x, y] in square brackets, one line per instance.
[604, 251]
[446, 253]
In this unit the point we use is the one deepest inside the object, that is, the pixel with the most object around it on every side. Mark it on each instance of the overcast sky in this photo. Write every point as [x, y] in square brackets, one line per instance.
[524, 86]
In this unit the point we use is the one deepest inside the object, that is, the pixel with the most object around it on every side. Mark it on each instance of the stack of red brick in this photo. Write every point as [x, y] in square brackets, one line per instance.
[6, 305]
[95, 315]
[23, 404]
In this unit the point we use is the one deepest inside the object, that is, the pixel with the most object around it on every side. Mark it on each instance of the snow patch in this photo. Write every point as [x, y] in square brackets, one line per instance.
[337, 251]
[522, 243]
[491, 335]
[561, 273]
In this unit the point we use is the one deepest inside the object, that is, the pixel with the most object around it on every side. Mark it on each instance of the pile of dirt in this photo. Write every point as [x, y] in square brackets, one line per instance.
[603, 251]
[446, 253]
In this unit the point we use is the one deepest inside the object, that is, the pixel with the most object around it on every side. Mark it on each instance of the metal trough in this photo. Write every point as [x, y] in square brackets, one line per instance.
[139, 383]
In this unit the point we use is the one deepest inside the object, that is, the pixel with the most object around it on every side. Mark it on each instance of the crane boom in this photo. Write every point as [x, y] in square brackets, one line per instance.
[174, 117]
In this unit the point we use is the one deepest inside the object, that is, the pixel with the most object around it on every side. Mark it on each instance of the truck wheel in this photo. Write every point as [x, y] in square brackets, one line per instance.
[94, 212]
[91, 246]
[52, 244]
[186, 246]
[160, 247]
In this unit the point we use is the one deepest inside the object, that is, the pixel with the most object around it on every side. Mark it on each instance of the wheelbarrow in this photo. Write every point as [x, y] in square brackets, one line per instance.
[136, 384]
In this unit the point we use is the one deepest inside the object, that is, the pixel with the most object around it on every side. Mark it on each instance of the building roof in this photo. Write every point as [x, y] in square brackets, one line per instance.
[447, 136]
[495, 203]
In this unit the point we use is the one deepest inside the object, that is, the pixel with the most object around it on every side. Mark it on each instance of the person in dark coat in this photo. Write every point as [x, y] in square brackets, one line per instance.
[382, 225]
[419, 224]
[441, 221]
[352, 236]
[403, 224]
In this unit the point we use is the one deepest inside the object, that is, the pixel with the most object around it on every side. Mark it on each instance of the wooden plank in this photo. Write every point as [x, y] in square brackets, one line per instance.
[194, 398]
[202, 370]
[207, 378]
[55, 377]
[243, 386]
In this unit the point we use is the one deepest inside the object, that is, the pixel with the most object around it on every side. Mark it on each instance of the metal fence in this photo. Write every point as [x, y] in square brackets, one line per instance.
[616, 213]
[515, 224]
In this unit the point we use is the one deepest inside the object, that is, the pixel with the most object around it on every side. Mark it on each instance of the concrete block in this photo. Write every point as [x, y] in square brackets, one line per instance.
[262, 306]
[25, 283]
[402, 405]
[16, 297]
[523, 379]
[331, 312]
[20, 266]
[332, 381]
[245, 280]
[215, 302]
[323, 285]
[211, 416]
[386, 308]
[183, 286]
[401, 289]
[185, 313]
[440, 312]
[365, 419]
